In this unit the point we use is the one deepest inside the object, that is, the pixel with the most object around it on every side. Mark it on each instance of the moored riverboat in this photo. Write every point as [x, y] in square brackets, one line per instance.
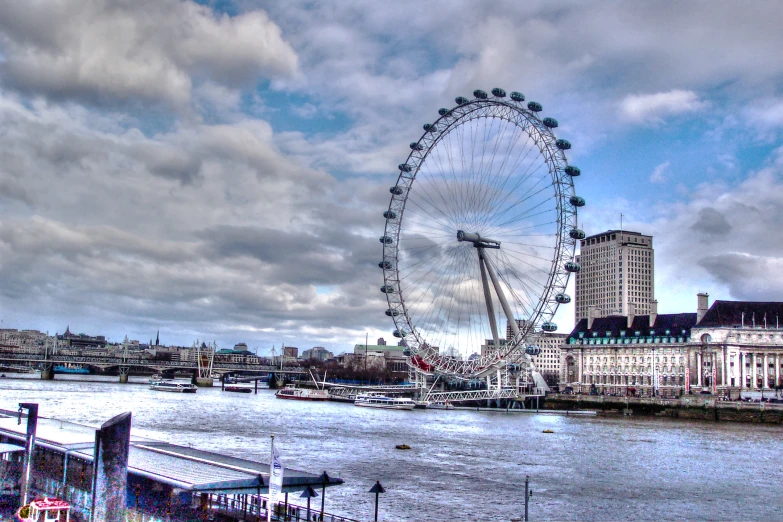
[302, 394]
[238, 388]
[384, 402]
[71, 368]
[441, 405]
[44, 510]
[173, 386]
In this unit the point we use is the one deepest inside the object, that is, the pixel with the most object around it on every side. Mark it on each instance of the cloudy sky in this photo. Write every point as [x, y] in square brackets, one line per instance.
[218, 170]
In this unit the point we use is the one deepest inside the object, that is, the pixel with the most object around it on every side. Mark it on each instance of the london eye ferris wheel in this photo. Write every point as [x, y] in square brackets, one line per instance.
[480, 234]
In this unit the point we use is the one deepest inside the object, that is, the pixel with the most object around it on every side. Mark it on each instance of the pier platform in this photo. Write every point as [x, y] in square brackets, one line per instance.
[165, 481]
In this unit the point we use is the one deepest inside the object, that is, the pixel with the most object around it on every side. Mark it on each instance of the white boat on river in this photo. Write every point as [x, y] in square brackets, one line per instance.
[384, 402]
[173, 386]
[302, 394]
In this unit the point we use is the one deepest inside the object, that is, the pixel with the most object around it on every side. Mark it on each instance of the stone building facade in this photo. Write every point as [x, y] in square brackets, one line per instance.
[731, 349]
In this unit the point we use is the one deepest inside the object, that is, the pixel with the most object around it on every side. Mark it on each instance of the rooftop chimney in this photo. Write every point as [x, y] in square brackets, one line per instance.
[631, 314]
[593, 312]
[702, 300]
[653, 311]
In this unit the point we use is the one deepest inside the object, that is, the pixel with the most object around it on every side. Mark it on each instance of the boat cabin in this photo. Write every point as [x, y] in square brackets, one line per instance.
[45, 510]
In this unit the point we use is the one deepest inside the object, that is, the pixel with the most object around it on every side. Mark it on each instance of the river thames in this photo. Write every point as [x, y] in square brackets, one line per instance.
[462, 465]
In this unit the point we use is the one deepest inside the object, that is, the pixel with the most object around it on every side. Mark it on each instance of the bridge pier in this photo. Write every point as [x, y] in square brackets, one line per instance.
[124, 372]
[202, 382]
[47, 372]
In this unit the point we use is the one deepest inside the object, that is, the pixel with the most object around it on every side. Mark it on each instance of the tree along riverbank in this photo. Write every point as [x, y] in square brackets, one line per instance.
[691, 407]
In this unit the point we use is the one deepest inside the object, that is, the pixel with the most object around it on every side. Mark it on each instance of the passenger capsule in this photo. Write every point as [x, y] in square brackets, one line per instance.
[577, 201]
[397, 191]
[549, 326]
[443, 112]
[407, 352]
[576, 233]
[404, 167]
[461, 100]
[429, 127]
[481, 95]
[399, 333]
[416, 146]
[535, 106]
[392, 313]
[550, 122]
[517, 96]
[532, 349]
[386, 240]
[572, 171]
[498, 92]
[389, 214]
[387, 289]
[563, 144]
[573, 266]
[513, 367]
[386, 265]
[563, 298]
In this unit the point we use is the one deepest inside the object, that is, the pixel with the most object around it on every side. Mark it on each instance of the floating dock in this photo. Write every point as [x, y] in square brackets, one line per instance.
[165, 481]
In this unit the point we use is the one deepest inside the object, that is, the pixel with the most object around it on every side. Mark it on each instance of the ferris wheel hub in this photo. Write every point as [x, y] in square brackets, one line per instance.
[477, 240]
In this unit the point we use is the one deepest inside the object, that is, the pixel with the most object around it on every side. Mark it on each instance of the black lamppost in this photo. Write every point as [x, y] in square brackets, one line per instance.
[324, 481]
[308, 493]
[377, 489]
[528, 494]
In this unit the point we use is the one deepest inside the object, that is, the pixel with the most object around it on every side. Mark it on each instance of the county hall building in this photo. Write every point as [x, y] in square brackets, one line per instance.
[729, 349]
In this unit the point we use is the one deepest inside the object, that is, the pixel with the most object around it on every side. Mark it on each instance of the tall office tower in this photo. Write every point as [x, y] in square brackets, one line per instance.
[617, 276]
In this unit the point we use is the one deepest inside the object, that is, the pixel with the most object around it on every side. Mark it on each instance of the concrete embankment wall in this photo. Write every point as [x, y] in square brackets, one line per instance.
[694, 407]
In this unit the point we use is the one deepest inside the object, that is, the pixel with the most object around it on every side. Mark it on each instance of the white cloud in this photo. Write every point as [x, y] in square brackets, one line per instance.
[658, 175]
[725, 240]
[151, 50]
[647, 108]
[767, 113]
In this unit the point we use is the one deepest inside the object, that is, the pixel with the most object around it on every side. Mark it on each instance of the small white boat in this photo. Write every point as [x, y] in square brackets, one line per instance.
[384, 402]
[173, 386]
[302, 394]
[238, 388]
[441, 405]
[44, 510]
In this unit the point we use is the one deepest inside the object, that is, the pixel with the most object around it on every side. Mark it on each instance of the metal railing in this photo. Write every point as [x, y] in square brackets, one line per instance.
[252, 507]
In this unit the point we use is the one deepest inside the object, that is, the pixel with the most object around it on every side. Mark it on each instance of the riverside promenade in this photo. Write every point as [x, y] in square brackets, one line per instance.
[691, 407]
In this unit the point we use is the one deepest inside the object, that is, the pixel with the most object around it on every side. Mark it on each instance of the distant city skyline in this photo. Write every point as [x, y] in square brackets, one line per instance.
[218, 170]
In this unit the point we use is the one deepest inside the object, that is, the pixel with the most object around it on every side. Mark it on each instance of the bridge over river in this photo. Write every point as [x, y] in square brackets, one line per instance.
[202, 369]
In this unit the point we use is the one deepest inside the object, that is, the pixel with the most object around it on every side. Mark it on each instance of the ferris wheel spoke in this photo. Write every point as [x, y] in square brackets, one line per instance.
[431, 216]
[523, 176]
[525, 197]
[479, 181]
[527, 149]
[431, 175]
[445, 287]
[527, 215]
[442, 174]
[494, 183]
[522, 285]
[526, 257]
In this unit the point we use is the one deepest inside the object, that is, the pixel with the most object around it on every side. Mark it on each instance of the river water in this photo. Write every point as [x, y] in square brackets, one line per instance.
[462, 465]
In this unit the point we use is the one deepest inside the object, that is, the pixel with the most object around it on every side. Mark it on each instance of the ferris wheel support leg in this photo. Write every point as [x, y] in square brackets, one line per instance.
[487, 297]
[502, 298]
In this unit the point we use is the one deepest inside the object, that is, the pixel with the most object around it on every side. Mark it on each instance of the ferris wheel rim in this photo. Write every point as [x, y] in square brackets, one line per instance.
[551, 150]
